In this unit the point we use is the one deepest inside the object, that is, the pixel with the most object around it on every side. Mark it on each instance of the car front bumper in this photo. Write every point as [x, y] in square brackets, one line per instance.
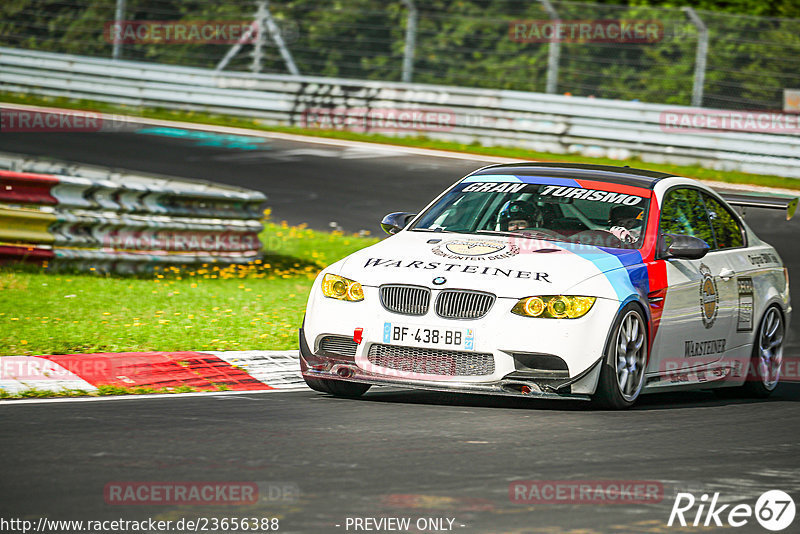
[350, 372]
[500, 335]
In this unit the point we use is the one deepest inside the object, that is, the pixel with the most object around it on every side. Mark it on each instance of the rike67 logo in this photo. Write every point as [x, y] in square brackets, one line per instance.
[774, 510]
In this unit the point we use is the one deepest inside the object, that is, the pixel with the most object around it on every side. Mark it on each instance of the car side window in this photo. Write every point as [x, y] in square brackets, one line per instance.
[684, 213]
[727, 229]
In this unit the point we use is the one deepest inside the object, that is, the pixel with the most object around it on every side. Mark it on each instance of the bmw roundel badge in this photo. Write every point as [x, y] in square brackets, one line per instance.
[439, 280]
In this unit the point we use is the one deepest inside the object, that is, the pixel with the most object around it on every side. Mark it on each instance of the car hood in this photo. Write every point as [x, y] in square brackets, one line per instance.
[507, 266]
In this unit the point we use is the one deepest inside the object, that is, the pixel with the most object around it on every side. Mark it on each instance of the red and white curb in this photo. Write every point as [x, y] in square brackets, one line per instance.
[203, 371]
[278, 369]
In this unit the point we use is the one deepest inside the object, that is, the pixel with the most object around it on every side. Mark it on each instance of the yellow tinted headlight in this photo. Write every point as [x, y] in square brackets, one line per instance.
[533, 306]
[341, 288]
[554, 306]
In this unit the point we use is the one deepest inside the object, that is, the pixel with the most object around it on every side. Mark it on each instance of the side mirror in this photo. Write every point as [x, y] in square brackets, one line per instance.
[394, 222]
[683, 247]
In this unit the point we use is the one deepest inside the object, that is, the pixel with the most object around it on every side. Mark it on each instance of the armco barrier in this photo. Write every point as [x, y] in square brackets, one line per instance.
[107, 223]
[541, 122]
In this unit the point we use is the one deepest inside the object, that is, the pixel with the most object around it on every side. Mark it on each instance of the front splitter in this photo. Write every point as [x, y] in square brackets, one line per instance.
[505, 388]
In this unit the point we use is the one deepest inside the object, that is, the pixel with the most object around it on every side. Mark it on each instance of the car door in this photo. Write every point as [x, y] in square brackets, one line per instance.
[746, 264]
[700, 300]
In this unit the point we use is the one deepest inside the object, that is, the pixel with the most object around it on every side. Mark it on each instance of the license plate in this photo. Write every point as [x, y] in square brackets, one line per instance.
[427, 336]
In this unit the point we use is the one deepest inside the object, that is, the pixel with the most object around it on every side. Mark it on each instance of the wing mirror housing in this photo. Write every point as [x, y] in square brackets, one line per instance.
[683, 247]
[394, 222]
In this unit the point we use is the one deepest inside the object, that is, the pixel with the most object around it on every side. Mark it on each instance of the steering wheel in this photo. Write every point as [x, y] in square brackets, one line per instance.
[544, 232]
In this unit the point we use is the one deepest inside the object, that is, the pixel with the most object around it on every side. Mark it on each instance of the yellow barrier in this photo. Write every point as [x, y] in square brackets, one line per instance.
[19, 225]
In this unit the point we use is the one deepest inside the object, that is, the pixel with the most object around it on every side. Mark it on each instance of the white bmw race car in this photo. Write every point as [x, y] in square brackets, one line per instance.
[551, 280]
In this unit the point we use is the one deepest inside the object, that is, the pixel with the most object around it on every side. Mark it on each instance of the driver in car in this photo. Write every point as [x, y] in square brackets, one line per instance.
[625, 222]
[518, 215]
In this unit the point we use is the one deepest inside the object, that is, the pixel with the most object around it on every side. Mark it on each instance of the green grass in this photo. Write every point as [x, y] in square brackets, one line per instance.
[258, 306]
[690, 171]
[102, 391]
[311, 246]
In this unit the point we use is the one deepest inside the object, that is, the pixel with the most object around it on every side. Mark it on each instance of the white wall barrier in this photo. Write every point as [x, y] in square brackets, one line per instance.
[754, 142]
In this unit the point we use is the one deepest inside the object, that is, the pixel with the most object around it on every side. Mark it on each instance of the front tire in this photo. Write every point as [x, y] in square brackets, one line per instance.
[338, 388]
[623, 367]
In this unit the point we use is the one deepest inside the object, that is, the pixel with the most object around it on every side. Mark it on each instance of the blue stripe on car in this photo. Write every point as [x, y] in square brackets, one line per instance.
[622, 267]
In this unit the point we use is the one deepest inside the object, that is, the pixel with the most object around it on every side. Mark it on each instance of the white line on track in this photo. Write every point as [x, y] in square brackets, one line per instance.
[276, 135]
[353, 144]
[147, 396]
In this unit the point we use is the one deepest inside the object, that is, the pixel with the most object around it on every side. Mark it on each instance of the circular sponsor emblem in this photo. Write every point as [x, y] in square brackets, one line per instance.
[439, 280]
[709, 297]
[478, 249]
[473, 248]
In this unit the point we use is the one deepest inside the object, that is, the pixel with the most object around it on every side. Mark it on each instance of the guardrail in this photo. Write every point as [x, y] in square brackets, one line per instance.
[122, 223]
[541, 122]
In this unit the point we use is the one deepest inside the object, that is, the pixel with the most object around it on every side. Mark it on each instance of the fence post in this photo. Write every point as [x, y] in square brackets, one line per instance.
[258, 46]
[553, 52]
[262, 23]
[275, 33]
[119, 15]
[700, 57]
[411, 41]
[235, 48]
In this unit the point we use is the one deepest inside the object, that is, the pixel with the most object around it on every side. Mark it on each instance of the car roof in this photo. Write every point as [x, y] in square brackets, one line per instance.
[601, 173]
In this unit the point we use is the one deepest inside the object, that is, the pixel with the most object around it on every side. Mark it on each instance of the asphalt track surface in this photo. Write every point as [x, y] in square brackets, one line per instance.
[392, 453]
[304, 183]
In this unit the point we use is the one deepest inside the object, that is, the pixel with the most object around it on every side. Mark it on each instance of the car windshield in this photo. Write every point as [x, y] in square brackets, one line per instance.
[593, 213]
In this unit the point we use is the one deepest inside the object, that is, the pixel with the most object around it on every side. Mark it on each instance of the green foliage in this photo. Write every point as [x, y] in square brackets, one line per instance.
[464, 43]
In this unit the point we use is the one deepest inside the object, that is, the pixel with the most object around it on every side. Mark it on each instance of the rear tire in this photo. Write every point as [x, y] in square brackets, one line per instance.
[338, 388]
[622, 369]
[764, 371]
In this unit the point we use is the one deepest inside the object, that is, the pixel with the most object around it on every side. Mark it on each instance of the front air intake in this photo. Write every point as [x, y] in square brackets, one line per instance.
[339, 345]
[431, 361]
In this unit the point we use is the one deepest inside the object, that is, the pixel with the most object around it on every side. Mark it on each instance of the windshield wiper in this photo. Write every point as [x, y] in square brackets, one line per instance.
[531, 234]
[437, 230]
